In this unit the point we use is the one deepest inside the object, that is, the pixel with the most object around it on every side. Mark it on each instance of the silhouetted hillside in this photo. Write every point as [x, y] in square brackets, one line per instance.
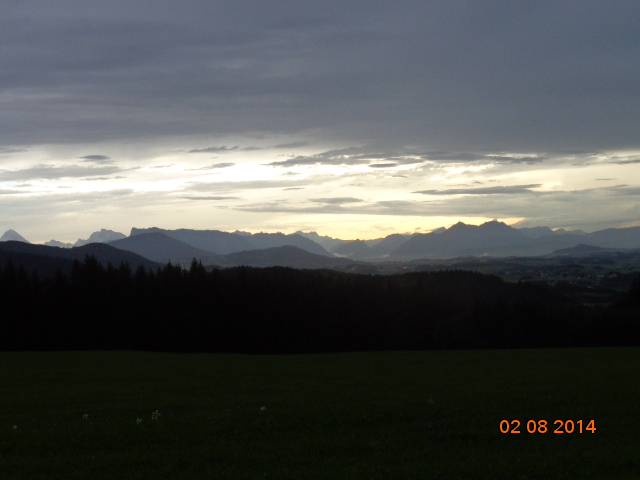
[286, 256]
[581, 249]
[326, 242]
[461, 239]
[223, 243]
[356, 250]
[615, 238]
[212, 241]
[161, 248]
[43, 266]
[105, 254]
[271, 240]
[388, 244]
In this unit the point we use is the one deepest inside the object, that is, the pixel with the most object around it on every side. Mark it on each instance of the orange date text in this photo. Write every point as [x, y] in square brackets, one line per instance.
[544, 426]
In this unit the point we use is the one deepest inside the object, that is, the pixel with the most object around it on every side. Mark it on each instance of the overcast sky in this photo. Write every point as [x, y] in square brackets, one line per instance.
[356, 119]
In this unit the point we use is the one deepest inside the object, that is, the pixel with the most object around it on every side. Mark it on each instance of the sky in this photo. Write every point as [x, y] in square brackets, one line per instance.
[354, 119]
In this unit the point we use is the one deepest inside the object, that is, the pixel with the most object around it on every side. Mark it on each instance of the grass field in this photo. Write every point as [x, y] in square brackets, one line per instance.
[413, 415]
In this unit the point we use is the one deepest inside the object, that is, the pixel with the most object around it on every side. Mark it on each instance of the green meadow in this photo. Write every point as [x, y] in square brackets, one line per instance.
[389, 415]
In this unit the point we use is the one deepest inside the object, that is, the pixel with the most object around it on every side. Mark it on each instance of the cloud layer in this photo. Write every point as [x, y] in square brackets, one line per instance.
[321, 111]
[499, 75]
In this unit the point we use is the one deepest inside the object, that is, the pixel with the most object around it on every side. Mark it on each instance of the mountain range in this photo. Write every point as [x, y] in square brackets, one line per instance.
[103, 236]
[310, 250]
[221, 243]
[500, 240]
[159, 247]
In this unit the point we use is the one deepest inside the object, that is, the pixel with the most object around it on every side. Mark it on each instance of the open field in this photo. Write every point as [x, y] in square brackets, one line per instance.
[413, 415]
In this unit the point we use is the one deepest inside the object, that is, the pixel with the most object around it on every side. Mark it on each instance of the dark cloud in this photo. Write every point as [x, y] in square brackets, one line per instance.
[626, 162]
[102, 159]
[389, 207]
[464, 157]
[222, 149]
[453, 156]
[350, 156]
[8, 150]
[497, 76]
[51, 172]
[209, 198]
[383, 165]
[291, 145]
[245, 185]
[623, 190]
[509, 190]
[115, 195]
[588, 207]
[336, 200]
[213, 166]
[345, 156]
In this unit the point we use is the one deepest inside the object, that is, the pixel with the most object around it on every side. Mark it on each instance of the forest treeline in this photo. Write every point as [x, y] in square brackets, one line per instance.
[283, 310]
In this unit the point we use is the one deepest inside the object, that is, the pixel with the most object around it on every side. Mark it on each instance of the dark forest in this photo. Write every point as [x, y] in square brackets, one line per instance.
[284, 310]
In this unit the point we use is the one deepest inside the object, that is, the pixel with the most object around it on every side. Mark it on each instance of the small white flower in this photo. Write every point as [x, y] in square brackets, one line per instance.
[262, 409]
[155, 415]
[15, 426]
[85, 416]
[138, 421]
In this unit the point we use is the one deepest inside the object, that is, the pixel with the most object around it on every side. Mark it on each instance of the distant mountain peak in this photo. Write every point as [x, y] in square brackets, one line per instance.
[140, 231]
[56, 243]
[495, 224]
[13, 236]
[457, 225]
[103, 236]
[354, 249]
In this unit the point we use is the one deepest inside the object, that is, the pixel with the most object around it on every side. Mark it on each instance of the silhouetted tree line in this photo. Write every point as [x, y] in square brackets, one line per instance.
[283, 310]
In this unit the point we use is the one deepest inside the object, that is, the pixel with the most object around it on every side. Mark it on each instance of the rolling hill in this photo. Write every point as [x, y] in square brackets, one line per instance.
[160, 247]
[222, 243]
[285, 256]
[44, 259]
